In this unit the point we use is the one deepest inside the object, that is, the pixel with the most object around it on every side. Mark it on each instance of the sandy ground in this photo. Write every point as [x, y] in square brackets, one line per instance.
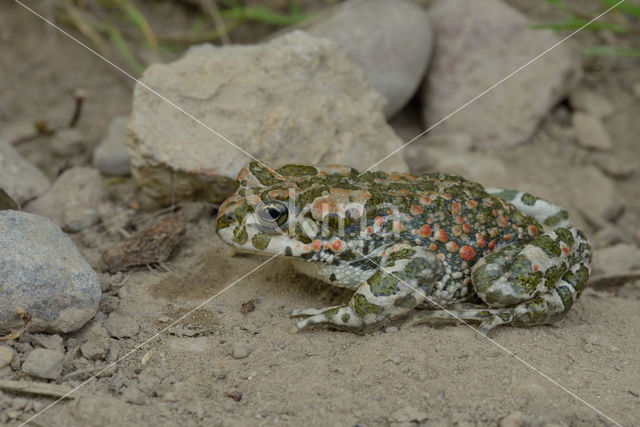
[583, 371]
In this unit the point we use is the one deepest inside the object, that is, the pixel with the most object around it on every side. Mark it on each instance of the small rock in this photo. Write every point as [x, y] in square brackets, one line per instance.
[587, 101]
[113, 352]
[50, 342]
[391, 329]
[474, 50]
[616, 259]
[42, 271]
[391, 40]
[67, 142]
[609, 236]
[97, 343]
[615, 167]
[307, 101]
[132, 394]
[43, 363]
[19, 178]
[591, 192]
[110, 156]
[514, 419]
[408, 414]
[109, 304]
[590, 132]
[121, 326]
[18, 130]
[73, 199]
[6, 356]
[240, 350]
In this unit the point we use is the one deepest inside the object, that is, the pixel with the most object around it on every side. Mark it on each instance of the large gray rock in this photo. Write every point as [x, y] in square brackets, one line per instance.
[478, 43]
[294, 99]
[19, 178]
[111, 156]
[73, 199]
[42, 271]
[390, 39]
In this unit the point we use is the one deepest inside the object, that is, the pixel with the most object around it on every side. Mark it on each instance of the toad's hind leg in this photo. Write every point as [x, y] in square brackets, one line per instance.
[526, 284]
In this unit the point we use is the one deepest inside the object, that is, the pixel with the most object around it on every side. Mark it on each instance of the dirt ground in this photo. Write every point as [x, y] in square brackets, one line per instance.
[583, 371]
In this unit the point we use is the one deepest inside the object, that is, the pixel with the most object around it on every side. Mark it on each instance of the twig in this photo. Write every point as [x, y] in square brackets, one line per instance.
[79, 96]
[26, 318]
[212, 7]
[42, 389]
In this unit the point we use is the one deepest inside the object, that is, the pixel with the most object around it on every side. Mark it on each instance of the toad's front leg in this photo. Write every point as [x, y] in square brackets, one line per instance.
[405, 275]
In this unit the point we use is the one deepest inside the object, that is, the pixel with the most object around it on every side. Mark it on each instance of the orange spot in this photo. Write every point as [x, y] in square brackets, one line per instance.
[459, 220]
[441, 236]
[451, 246]
[507, 236]
[424, 200]
[415, 210]
[430, 220]
[368, 230]
[316, 245]
[503, 221]
[433, 246]
[425, 231]
[455, 208]
[533, 230]
[565, 249]
[466, 228]
[306, 248]
[492, 245]
[480, 240]
[471, 204]
[379, 220]
[336, 245]
[534, 267]
[466, 253]
[446, 196]
[326, 246]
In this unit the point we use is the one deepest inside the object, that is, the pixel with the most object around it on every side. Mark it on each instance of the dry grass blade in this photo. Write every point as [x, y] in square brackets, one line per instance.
[78, 20]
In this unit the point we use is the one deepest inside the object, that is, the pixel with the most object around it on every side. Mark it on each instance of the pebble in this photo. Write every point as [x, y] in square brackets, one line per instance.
[474, 50]
[113, 352]
[616, 167]
[6, 356]
[514, 419]
[121, 326]
[67, 142]
[590, 132]
[298, 90]
[42, 271]
[73, 199]
[132, 394]
[391, 40]
[585, 100]
[20, 179]
[616, 259]
[43, 363]
[109, 304]
[51, 342]
[240, 350]
[591, 192]
[97, 343]
[110, 156]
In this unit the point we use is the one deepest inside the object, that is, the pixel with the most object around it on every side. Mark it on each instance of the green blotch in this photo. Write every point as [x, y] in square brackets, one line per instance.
[297, 170]
[398, 255]
[408, 301]
[363, 307]
[566, 297]
[548, 245]
[331, 312]
[528, 199]
[564, 235]
[346, 317]
[523, 277]
[383, 284]
[578, 279]
[262, 174]
[556, 219]
[553, 274]
[261, 241]
[240, 235]
[507, 195]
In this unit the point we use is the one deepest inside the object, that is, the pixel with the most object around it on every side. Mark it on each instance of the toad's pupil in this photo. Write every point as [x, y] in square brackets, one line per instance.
[273, 213]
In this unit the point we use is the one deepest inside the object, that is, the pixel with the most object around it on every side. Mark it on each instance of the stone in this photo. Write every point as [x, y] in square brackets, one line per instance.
[616, 259]
[50, 342]
[6, 356]
[391, 40]
[20, 179]
[240, 350]
[110, 156]
[121, 326]
[73, 199]
[97, 343]
[474, 49]
[67, 142]
[591, 192]
[109, 304]
[113, 351]
[43, 363]
[615, 166]
[42, 271]
[587, 101]
[132, 394]
[514, 419]
[18, 130]
[590, 132]
[294, 99]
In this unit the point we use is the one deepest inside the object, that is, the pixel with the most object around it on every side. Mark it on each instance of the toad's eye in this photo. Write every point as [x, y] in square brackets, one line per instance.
[273, 214]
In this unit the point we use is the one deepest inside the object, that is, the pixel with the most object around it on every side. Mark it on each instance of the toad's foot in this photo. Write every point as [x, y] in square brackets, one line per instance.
[406, 274]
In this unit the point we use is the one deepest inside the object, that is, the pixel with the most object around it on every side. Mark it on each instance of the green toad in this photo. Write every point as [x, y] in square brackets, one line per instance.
[436, 242]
